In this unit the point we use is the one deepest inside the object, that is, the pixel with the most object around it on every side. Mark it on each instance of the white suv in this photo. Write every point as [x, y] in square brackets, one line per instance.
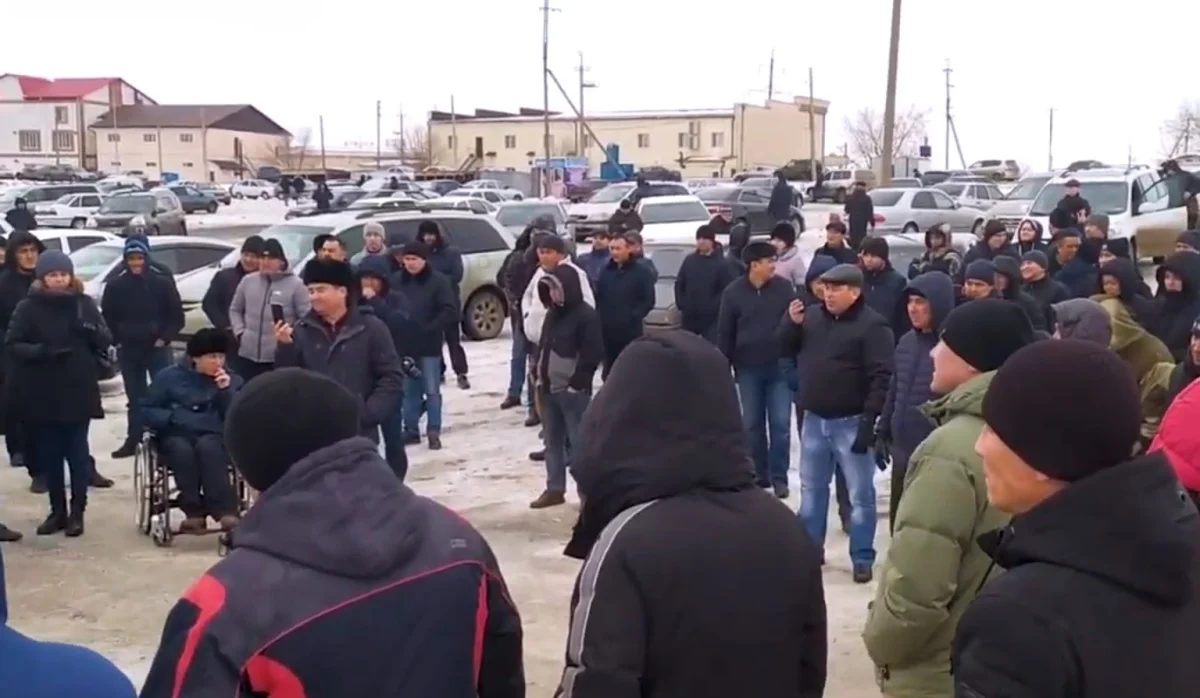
[252, 189]
[1140, 204]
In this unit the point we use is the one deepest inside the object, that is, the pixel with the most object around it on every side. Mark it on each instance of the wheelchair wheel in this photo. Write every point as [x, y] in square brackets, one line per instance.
[160, 517]
[143, 477]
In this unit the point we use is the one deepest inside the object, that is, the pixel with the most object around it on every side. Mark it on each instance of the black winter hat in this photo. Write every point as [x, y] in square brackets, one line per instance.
[254, 245]
[705, 232]
[981, 270]
[758, 250]
[320, 240]
[273, 249]
[876, 247]
[986, 332]
[994, 228]
[1066, 445]
[428, 227]
[283, 416]
[1037, 257]
[784, 231]
[416, 249]
[208, 341]
[328, 271]
[551, 242]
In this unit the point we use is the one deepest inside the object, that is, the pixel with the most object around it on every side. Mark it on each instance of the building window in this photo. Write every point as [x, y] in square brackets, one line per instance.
[149, 137]
[188, 164]
[114, 138]
[643, 140]
[683, 140]
[64, 141]
[718, 139]
[61, 115]
[185, 138]
[30, 141]
[450, 142]
[152, 164]
[510, 142]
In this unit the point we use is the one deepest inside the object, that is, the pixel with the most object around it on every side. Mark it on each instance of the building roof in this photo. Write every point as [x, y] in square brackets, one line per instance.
[524, 114]
[35, 88]
[231, 117]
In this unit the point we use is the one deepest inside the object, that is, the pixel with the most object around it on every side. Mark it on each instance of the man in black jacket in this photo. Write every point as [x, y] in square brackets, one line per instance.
[1008, 285]
[1038, 284]
[570, 349]
[20, 260]
[836, 246]
[979, 280]
[883, 286]
[779, 206]
[20, 217]
[860, 210]
[1101, 593]
[1074, 204]
[844, 351]
[429, 306]
[694, 582]
[144, 313]
[624, 297]
[996, 242]
[220, 290]
[702, 278]
[749, 314]
[447, 260]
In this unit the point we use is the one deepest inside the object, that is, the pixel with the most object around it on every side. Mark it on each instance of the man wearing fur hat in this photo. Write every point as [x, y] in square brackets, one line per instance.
[338, 340]
[186, 405]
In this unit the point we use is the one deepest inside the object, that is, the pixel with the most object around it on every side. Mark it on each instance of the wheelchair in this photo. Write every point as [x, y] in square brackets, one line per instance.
[156, 495]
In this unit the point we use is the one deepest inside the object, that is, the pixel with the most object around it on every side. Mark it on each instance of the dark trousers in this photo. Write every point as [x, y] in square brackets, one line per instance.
[393, 441]
[56, 443]
[249, 370]
[561, 415]
[458, 357]
[19, 442]
[612, 350]
[137, 368]
[1193, 213]
[201, 469]
[899, 470]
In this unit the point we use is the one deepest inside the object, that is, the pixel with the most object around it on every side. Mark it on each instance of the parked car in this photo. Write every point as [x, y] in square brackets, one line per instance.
[68, 241]
[933, 177]
[216, 191]
[1005, 170]
[905, 183]
[42, 193]
[57, 173]
[515, 216]
[193, 200]
[252, 189]
[483, 242]
[838, 183]
[442, 186]
[583, 190]
[156, 212]
[980, 195]
[342, 198]
[734, 205]
[69, 211]
[1015, 205]
[458, 203]
[917, 210]
[489, 195]
[494, 185]
[666, 216]
[395, 203]
[592, 216]
[97, 264]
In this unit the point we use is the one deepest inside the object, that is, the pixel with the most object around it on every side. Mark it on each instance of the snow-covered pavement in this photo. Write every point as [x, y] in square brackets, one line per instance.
[241, 213]
[112, 588]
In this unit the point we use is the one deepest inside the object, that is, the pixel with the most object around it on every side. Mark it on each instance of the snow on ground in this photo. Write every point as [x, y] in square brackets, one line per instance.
[240, 213]
[112, 588]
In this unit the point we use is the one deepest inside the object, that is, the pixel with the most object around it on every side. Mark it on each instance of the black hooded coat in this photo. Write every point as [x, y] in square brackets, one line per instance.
[1038, 244]
[674, 532]
[1011, 269]
[1177, 311]
[1141, 308]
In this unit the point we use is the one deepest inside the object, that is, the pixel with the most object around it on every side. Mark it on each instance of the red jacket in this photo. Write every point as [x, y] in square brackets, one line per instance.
[1179, 438]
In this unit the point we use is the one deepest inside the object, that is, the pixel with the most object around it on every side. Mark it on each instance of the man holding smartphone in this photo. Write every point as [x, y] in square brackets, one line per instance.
[263, 299]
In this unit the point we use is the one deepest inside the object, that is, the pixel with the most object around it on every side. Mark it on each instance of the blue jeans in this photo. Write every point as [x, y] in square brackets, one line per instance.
[56, 442]
[518, 367]
[561, 415]
[767, 416]
[826, 446]
[137, 367]
[424, 392]
[393, 440]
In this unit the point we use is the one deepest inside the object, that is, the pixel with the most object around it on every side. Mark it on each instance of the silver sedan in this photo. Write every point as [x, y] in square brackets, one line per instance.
[916, 210]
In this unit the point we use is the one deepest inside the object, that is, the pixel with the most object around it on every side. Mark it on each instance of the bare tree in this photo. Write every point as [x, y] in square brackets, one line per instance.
[865, 133]
[414, 147]
[1181, 132]
[300, 147]
[292, 154]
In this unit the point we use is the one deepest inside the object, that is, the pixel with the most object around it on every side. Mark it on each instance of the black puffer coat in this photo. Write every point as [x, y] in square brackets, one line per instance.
[1178, 310]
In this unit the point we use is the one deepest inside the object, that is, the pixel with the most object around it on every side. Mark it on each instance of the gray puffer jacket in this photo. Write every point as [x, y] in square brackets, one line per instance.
[250, 312]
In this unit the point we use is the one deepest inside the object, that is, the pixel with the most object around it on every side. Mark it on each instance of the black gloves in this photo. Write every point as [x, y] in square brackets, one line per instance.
[865, 438]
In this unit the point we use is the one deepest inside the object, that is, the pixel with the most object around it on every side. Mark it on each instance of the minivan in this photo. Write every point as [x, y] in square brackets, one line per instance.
[838, 183]
[48, 193]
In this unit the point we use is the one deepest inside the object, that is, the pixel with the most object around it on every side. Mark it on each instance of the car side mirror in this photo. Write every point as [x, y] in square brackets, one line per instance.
[158, 211]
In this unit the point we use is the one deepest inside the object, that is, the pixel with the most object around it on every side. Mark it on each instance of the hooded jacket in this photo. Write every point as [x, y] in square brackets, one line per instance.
[671, 522]
[515, 272]
[1148, 358]
[532, 309]
[1179, 440]
[1079, 274]
[570, 345]
[1047, 292]
[1038, 243]
[902, 421]
[182, 401]
[447, 260]
[1141, 308]
[982, 250]
[14, 281]
[945, 259]
[884, 291]
[32, 669]
[219, 295]
[819, 265]
[790, 265]
[1101, 597]
[1183, 375]
[698, 286]
[250, 315]
[739, 237]
[1178, 310]
[20, 217]
[335, 545]
[142, 309]
[424, 307]
[933, 568]
[1011, 269]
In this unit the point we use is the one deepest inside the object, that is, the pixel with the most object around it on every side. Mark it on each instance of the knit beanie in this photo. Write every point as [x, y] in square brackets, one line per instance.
[986, 332]
[552, 242]
[415, 249]
[52, 261]
[283, 416]
[784, 232]
[1037, 257]
[993, 228]
[1065, 444]
[875, 247]
[758, 250]
[208, 340]
[981, 270]
[254, 245]
[705, 232]
[273, 249]
[135, 246]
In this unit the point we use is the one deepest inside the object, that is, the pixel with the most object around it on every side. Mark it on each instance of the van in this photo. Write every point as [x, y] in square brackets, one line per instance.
[48, 193]
[838, 183]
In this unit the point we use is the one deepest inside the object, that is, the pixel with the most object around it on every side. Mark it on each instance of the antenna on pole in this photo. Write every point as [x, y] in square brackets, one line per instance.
[1050, 149]
[580, 134]
[546, 10]
[771, 77]
[950, 128]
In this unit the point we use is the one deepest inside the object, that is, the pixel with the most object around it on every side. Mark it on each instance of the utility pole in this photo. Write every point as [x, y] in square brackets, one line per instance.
[378, 134]
[771, 77]
[401, 136]
[544, 181]
[889, 107]
[812, 130]
[580, 132]
[158, 140]
[454, 133]
[1187, 134]
[321, 136]
[948, 70]
[1050, 147]
[204, 144]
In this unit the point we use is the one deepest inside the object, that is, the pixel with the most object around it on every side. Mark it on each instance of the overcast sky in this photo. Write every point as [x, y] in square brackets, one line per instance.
[1113, 71]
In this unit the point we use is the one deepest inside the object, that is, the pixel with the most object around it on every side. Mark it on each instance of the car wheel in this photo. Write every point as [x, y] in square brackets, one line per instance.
[237, 196]
[153, 231]
[79, 223]
[264, 196]
[484, 315]
[911, 227]
[839, 196]
[212, 207]
[518, 197]
[798, 222]
[977, 229]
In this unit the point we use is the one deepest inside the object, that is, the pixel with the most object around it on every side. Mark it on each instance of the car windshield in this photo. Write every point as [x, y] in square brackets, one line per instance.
[64, 199]
[839, 174]
[94, 260]
[951, 189]
[986, 163]
[717, 194]
[12, 193]
[523, 214]
[608, 195]
[128, 204]
[674, 212]
[296, 239]
[1027, 189]
[1105, 197]
[885, 198]
[667, 258]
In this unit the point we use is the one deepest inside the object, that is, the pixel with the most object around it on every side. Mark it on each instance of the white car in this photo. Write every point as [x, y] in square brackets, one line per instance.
[69, 211]
[72, 240]
[665, 217]
[1012, 210]
[591, 216]
[96, 265]
[252, 189]
[490, 195]
[493, 185]
[980, 195]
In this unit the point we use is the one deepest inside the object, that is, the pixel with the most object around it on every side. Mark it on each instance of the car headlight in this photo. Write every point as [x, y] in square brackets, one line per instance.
[137, 221]
[91, 223]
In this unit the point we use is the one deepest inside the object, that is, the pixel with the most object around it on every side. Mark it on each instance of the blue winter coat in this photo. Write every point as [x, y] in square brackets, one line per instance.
[184, 402]
[901, 420]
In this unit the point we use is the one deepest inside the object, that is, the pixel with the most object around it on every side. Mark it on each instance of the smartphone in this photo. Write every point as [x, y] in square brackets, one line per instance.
[277, 313]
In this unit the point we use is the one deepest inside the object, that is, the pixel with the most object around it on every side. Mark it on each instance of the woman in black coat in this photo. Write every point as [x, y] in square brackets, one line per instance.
[57, 340]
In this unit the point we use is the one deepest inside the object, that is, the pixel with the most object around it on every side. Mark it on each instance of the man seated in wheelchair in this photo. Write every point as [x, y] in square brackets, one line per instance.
[185, 406]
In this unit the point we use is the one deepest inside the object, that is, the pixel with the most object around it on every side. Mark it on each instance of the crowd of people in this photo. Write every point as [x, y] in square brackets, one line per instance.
[1037, 547]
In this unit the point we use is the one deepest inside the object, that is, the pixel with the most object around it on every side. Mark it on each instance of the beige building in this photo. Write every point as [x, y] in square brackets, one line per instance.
[217, 143]
[698, 143]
